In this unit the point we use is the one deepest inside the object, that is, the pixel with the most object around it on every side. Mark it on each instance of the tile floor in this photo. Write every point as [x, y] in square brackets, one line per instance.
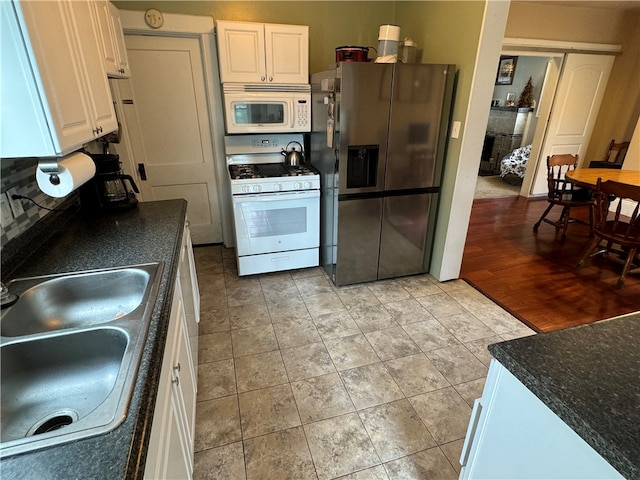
[299, 379]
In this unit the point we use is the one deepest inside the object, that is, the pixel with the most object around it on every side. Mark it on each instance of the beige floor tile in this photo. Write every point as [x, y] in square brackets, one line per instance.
[306, 361]
[500, 321]
[465, 327]
[452, 285]
[392, 343]
[370, 385]
[416, 374]
[426, 464]
[388, 291]
[444, 412]
[470, 391]
[283, 310]
[336, 325]
[441, 304]
[356, 296]
[245, 295]
[260, 370]
[408, 311]
[211, 282]
[396, 430]
[274, 277]
[223, 462]
[279, 289]
[313, 285]
[307, 272]
[372, 317]
[232, 280]
[351, 352]
[267, 410]
[479, 348]
[210, 268]
[321, 397]
[420, 285]
[293, 334]
[248, 341]
[280, 455]
[430, 335]
[470, 298]
[214, 320]
[211, 298]
[216, 379]
[457, 364]
[323, 303]
[375, 473]
[214, 346]
[452, 451]
[245, 316]
[217, 423]
[340, 446]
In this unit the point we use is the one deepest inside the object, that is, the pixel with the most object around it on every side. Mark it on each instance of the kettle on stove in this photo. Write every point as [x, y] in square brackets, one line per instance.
[108, 190]
[293, 157]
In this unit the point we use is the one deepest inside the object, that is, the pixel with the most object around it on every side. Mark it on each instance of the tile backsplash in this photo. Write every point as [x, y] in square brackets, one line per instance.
[21, 174]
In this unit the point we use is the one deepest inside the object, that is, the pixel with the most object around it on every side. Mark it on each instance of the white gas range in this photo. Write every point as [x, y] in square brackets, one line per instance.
[276, 207]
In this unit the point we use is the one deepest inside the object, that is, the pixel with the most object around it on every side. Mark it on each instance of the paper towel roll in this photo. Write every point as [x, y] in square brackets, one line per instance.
[73, 170]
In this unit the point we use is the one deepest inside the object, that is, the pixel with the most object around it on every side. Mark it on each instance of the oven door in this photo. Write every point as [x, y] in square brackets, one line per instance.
[276, 222]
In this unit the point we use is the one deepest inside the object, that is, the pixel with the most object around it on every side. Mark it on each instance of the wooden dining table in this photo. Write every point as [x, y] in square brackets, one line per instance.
[588, 177]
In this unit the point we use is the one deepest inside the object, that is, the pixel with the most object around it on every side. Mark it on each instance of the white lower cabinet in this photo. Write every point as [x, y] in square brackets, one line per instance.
[513, 434]
[170, 453]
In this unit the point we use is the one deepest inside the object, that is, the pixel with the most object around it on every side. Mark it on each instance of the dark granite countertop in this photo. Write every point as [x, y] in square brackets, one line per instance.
[150, 233]
[590, 377]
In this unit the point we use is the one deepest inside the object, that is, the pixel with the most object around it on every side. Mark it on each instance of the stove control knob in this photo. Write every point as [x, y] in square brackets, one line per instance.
[256, 188]
[277, 187]
[297, 185]
[307, 185]
[246, 189]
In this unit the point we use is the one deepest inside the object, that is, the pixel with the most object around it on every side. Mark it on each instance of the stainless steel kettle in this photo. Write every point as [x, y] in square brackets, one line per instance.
[293, 157]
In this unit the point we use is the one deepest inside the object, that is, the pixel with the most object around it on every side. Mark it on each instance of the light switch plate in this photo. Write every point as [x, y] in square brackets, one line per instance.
[7, 214]
[455, 130]
[16, 205]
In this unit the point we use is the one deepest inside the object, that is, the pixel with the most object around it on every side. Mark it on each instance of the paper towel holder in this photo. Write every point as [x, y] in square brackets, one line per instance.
[51, 167]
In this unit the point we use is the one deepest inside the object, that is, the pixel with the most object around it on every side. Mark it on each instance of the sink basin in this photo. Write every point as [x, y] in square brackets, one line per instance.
[56, 382]
[74, 300]
[70, 348]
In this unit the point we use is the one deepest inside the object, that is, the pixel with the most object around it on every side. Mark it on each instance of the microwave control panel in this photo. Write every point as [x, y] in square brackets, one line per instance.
[303, 114]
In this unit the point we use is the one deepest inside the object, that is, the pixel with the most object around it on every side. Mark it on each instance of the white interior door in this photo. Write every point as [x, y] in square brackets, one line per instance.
[577, 101]
[169, 120]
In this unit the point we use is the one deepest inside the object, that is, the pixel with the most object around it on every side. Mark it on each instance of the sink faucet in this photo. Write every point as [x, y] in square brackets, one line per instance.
[6, 298]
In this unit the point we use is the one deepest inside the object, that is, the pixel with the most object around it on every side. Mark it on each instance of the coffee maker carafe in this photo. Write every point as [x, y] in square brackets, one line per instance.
[108, 190]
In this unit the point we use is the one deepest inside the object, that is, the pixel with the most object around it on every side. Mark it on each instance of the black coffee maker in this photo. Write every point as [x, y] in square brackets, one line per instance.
[108, 189]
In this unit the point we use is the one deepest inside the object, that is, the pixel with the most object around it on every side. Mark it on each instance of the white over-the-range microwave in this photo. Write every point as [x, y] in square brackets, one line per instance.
[250, 108]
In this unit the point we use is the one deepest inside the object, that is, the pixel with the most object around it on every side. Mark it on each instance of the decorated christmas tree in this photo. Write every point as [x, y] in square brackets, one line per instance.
[526, 97]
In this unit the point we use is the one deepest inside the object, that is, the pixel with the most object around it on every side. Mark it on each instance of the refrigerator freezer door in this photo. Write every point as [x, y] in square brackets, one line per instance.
[363, 109]
[404, 239]
[358, 240]
[415, 125]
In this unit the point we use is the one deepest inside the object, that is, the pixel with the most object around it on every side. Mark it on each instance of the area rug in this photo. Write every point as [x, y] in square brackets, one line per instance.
[495, 187]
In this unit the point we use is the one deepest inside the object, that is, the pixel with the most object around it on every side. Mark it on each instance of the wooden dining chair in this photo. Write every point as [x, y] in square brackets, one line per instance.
[615, 156]
[562, 193]
[619, 234]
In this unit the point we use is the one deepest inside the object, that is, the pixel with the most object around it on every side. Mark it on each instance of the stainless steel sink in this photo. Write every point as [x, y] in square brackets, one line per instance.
[69, 355]
[70, 301]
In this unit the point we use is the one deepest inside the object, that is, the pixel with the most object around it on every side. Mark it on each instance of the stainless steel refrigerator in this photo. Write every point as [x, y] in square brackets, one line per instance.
[378, 138]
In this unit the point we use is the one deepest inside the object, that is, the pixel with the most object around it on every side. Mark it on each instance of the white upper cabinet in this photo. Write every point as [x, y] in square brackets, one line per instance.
[54, 91]
[263, 53]
[112, 43]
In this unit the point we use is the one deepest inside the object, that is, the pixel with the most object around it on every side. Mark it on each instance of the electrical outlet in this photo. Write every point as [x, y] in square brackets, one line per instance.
[7, 214]
[16, 205]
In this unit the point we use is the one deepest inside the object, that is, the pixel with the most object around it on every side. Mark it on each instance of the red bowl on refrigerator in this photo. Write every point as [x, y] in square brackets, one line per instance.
[352, 54]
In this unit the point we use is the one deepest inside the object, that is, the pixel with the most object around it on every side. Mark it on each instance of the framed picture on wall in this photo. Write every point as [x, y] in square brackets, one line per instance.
[506, 70]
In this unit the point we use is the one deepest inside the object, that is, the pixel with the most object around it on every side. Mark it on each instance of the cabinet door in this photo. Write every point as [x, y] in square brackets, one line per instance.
[107, 42]
[287, 53]
[190, 293]
[241, 52]
[99, 95]
[122, 63]
[47, 29]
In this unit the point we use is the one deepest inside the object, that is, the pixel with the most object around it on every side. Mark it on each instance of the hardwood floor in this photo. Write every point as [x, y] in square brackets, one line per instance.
[532, 275]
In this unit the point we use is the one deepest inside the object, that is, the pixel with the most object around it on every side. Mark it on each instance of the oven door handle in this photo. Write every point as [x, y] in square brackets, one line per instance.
[276, 197]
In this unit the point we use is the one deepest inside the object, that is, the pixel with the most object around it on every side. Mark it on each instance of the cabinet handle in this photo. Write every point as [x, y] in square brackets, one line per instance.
[142, 171]
[271, 79]
[95, 131]
[177, 368]
[121, 71]
[176, 381]
[100, 129]
[262, 78]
